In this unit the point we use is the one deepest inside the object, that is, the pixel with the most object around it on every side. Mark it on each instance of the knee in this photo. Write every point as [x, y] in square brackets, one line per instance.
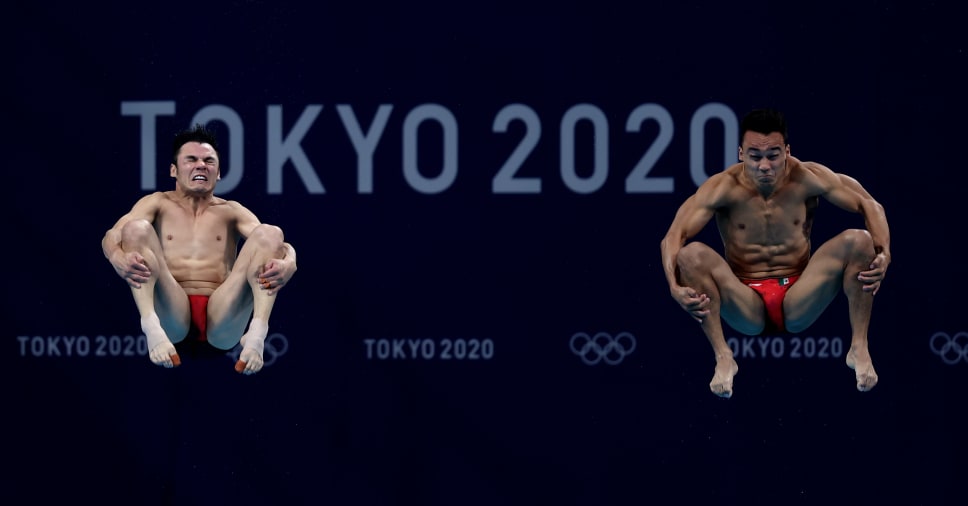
[692, 257]
[268, 237]
[136, 231]
[860, 244]
[796, 325]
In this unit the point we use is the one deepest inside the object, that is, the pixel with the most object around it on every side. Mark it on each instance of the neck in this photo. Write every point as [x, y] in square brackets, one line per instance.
[766, 191]
[193, 199]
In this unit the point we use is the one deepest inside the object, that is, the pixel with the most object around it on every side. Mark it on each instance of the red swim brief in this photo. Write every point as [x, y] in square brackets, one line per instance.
[772, 291]
[199, 323]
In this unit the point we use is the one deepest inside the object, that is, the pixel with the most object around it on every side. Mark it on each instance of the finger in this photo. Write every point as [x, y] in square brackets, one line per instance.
[239, 366]
[175, 360]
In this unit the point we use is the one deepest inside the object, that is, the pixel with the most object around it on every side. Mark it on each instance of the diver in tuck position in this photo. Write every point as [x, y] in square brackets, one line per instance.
[768, 280]
[179, 252]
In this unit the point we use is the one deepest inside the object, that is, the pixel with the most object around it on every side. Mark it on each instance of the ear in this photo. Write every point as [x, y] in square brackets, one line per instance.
[173, 170]
[739, 153]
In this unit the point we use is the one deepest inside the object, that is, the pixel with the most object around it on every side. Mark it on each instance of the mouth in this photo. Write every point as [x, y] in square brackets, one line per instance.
[199, 177]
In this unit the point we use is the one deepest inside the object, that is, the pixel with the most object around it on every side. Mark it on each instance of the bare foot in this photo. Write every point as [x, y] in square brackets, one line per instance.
[253, 343]
[164, 355]
[859, 359]
[722, 383]
[160, 350]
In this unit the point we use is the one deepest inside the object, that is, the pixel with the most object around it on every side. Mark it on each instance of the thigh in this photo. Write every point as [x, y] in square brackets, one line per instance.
[742, 308]
[230, 307]
[739, 305]
[171, 306]
[818, 285]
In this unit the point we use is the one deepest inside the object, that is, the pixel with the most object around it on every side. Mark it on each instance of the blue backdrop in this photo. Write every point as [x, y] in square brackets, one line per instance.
[475, 192]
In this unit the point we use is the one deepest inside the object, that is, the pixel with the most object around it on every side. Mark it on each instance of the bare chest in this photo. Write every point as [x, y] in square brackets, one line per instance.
[765, 222]
[183, 234]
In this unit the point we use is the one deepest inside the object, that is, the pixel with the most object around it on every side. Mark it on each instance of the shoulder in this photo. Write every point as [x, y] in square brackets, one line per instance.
[812, 168]
[720, 186]
[235, 208]
[814, 175]
[147, 207]
[152, 200]
[229, 205]
[155, 197]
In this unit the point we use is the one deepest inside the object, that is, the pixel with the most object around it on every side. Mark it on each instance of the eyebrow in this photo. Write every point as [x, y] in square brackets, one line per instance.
[776, 148]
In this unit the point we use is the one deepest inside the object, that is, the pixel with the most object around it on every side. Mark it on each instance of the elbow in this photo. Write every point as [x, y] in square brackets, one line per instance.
[671, 239]
[872, 207]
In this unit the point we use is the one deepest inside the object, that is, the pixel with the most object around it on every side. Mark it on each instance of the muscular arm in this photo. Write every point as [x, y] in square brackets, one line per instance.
[146, 209]
[280, 269]
[875, 219]
[847, 193]
[690, 219]
[246, 221]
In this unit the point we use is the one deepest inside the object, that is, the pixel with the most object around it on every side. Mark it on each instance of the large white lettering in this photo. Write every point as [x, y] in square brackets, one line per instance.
[286, 148]
[697, 139]
[364, 143]
[148, 112]
[411, 171]
[569, 172]
[235, 162]
[424, 174]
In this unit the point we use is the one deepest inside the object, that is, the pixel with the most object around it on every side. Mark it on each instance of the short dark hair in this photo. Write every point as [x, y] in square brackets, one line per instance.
[764, 121]
[197, 133]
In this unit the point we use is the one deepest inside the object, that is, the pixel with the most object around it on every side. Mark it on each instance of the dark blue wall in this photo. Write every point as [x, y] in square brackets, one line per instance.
[422, 353]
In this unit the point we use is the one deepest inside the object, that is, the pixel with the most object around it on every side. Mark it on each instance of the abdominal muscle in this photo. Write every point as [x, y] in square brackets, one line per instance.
[757, 261]
[198, 278]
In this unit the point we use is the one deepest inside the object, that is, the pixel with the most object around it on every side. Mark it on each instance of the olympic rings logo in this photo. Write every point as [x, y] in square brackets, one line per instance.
[951, 349]
[602, 347]
[276, 346]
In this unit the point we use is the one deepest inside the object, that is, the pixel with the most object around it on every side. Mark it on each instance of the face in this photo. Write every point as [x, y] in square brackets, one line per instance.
[197, 167]
[764, 157]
